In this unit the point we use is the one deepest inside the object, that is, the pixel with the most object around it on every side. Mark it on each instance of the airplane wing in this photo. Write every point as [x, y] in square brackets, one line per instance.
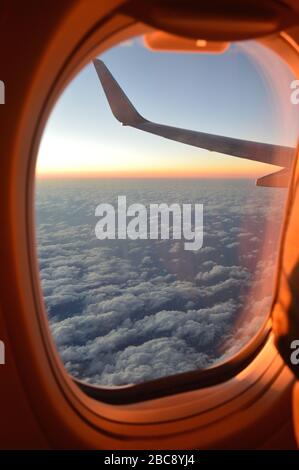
[125, 112]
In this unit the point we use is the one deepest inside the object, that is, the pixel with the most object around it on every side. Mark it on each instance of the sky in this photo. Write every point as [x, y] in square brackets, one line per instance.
[242, 93]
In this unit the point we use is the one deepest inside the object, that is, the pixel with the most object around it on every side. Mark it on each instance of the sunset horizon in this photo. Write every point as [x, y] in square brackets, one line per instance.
[146, 176]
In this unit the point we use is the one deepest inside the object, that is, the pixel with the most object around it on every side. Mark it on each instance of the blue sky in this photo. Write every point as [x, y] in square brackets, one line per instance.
[227, 94]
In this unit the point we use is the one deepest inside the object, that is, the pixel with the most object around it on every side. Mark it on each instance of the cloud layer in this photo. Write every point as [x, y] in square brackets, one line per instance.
[124, 311]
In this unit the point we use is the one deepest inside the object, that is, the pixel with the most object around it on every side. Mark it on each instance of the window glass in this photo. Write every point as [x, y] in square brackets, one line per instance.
[136, 306]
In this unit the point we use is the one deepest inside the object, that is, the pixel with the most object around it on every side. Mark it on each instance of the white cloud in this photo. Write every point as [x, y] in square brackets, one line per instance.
[124, 312]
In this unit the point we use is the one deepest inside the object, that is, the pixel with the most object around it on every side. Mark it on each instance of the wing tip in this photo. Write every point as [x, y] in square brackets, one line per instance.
[120, 105]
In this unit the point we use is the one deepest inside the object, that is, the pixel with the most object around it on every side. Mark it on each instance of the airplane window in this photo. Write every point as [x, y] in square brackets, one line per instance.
[157, 239]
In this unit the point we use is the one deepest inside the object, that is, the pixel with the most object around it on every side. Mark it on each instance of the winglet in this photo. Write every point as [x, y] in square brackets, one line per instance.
[119, 103]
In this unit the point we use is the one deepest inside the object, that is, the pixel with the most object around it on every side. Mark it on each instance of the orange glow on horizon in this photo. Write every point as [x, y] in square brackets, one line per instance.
[62, 158]
[159, 173]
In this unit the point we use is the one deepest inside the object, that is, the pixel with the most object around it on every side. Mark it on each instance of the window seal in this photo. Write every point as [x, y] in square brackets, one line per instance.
[170, 385]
